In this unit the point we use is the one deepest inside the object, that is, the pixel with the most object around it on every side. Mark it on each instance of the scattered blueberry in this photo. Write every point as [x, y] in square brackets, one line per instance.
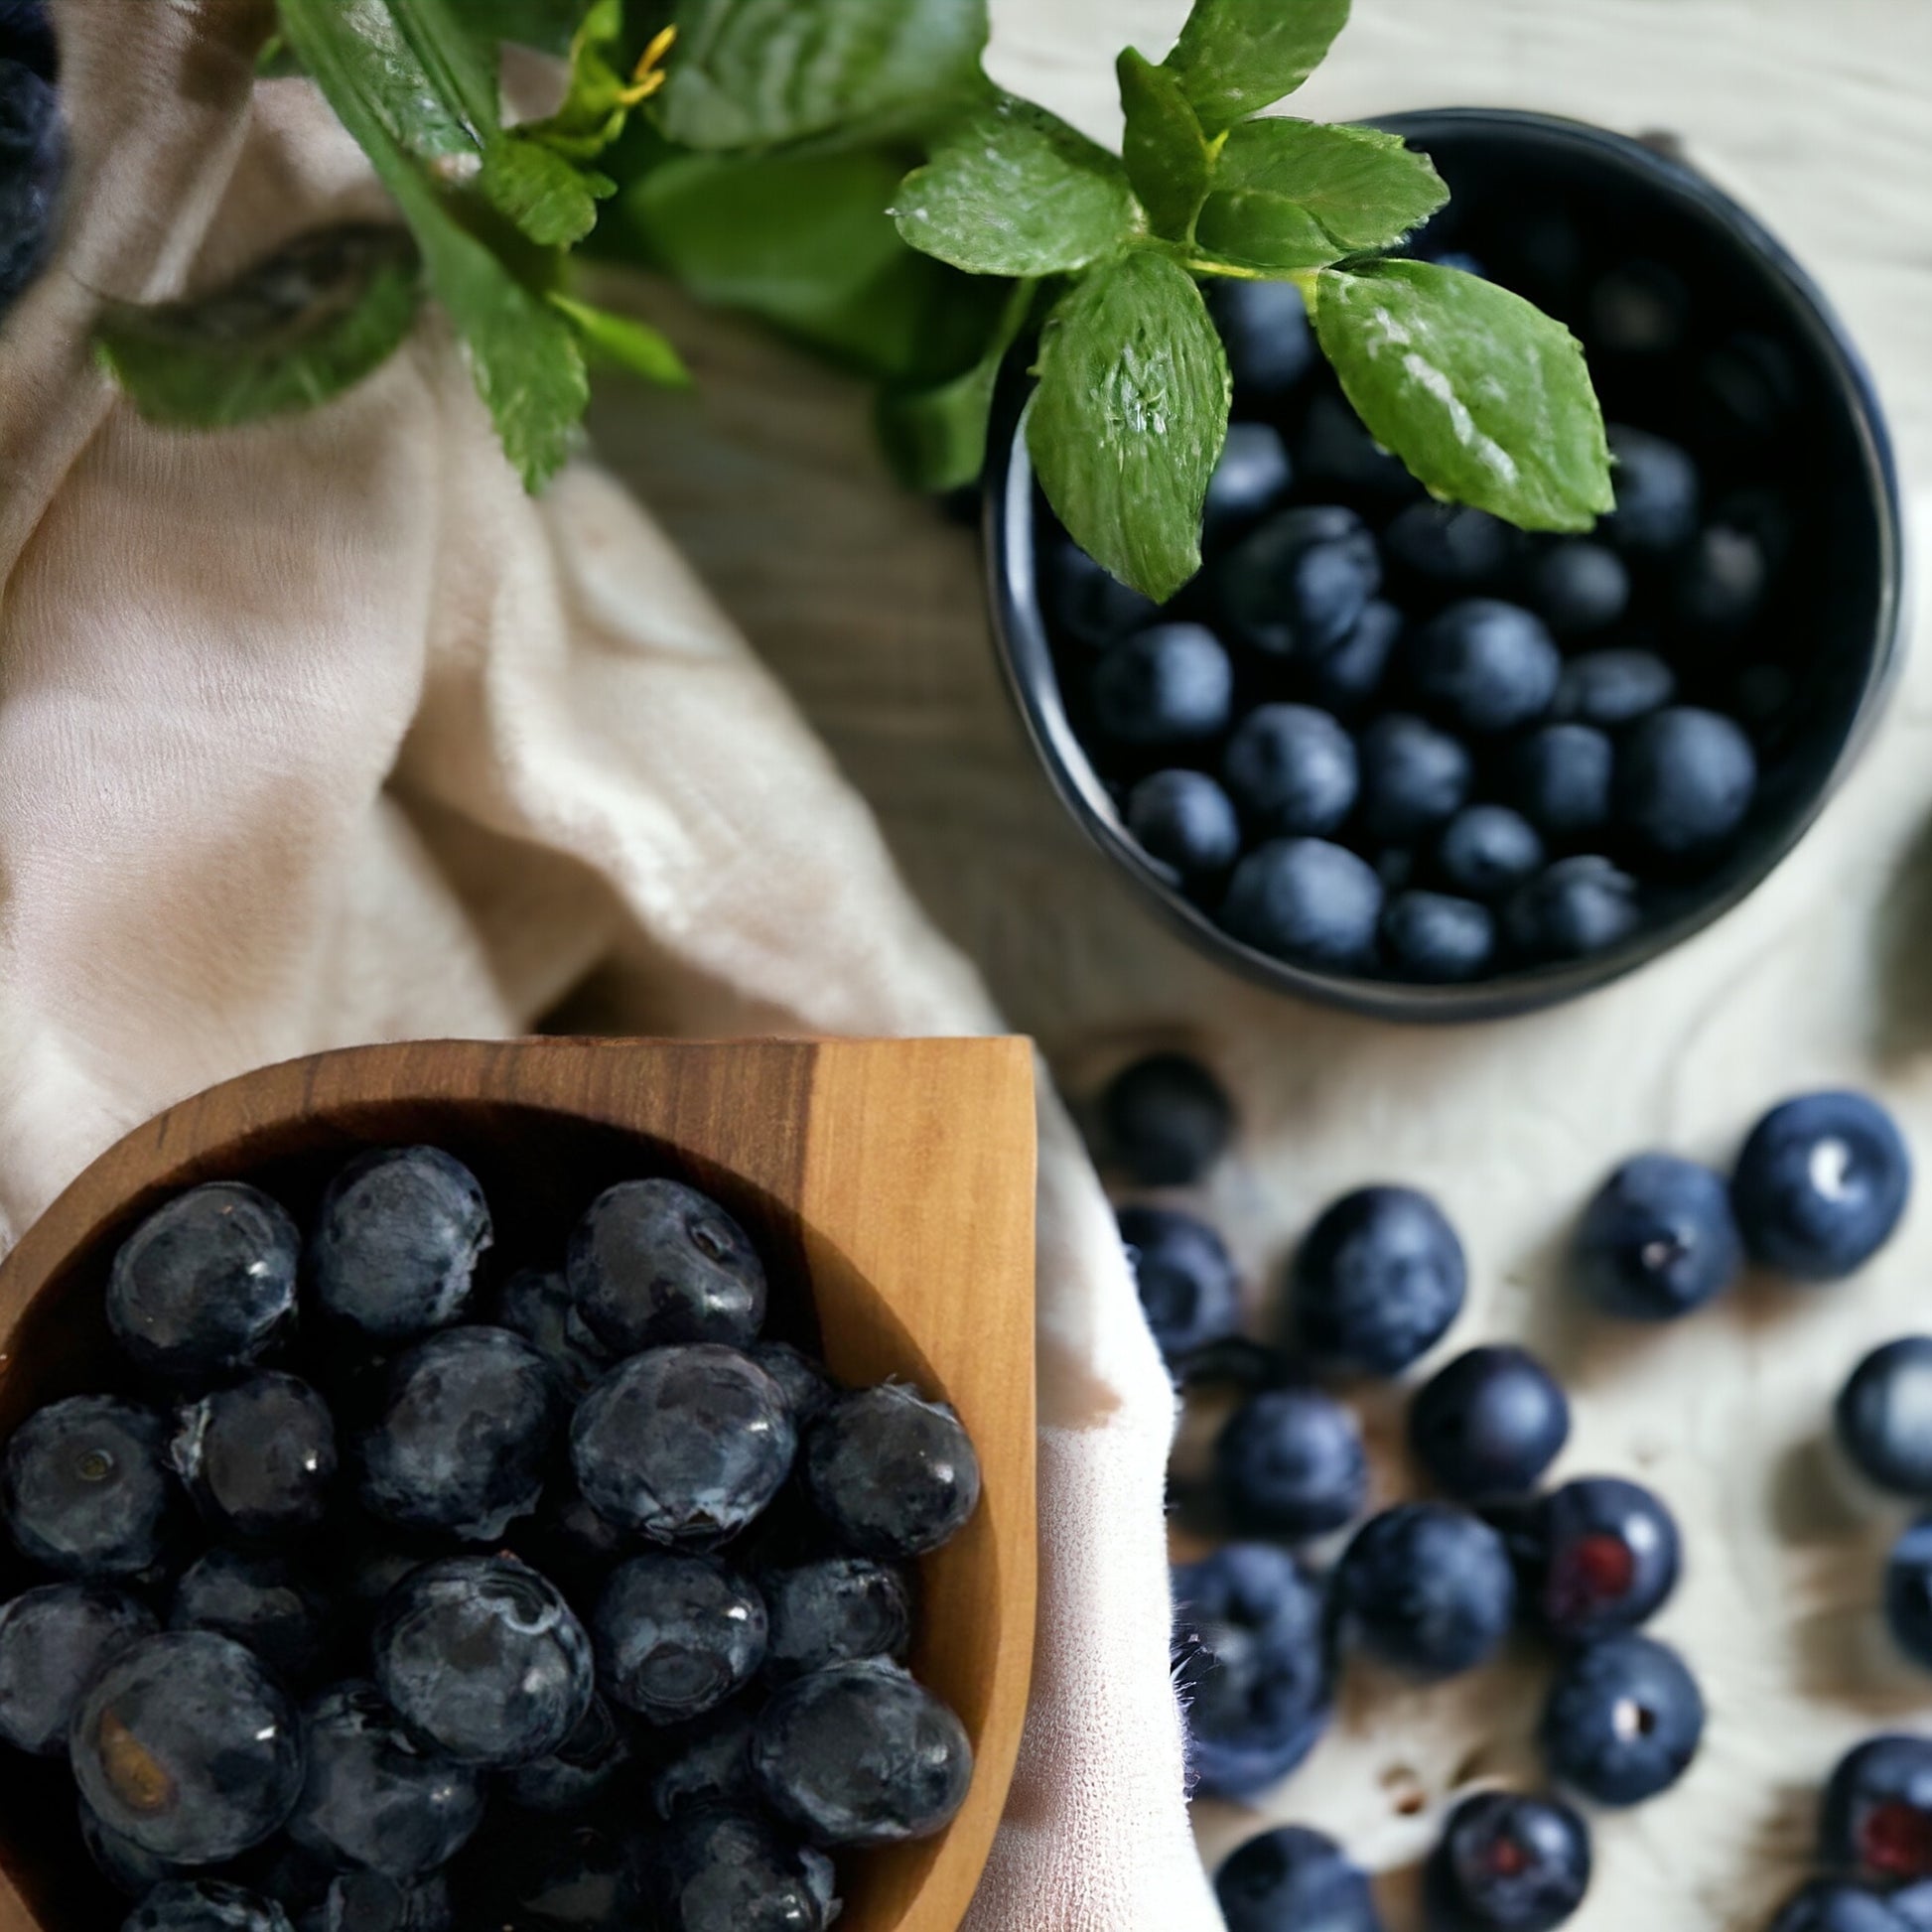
[1091, 604]
[1489, 851]
[1307, 901]
[1821, 1185]
[1623, 1721]
[1602, 1555]
[1578, 907]
[1171, 685]
[726, 1872]
[32, 162]
[1685, 781]
[1658, 1240]
[1908, 1592]
[1561, 780]
[1875, 1821]
[892, 1475]
[1290, 1464]
[1250, 479]
[1189, 1290]
[1720, 582]
[656, 1262]
[1186, 821]
[909, 1782]
[1508, 1864]
[266, 1602]
[54, 1642]
[1378, 1281]
[1490, 1424]
[1436, 938]
[1576, 587]
[1657, 494]
[1298, 585]
[258, 1458]
[1265, 328]
[578, 1771]
[1427, 1587]
[396, 1242]
[1448, 545]
[1608, 688]
[835, 1610]
[187, 1747]
[1883, 1418]
[1291, 769]
[1484, 665]
[204, 1905]
[1413, 777]
[538, 1305]
[1826, 1905]
[1294, 1878]
[676, 1635]
[1167, 1120]
[84, 1487]
[1347, 676]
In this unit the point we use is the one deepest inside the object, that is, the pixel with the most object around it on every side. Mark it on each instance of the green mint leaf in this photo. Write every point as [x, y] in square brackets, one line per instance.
[1236, 57]
[936, 438]
[1167, 155]
[547, 25]
[296, 331]
[459, 80]
[523, 356]
[1482, 396]
[551, 199]
[625, 342]
[1012, 191]
[396, 90]
[1298, 195]
[1127, 424]
[748, 74]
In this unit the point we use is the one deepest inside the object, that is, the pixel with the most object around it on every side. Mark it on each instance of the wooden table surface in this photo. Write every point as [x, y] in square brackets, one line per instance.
[867, 604]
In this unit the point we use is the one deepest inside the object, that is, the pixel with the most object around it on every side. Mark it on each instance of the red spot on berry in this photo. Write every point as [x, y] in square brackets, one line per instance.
[1593, 1571]
[1509, 1859]
[1895, 1841]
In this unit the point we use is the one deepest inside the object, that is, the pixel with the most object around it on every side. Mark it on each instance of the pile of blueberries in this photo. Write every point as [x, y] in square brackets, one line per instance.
[1435, 1587]
[364, 1610]
[1383, 735]
[33, 145]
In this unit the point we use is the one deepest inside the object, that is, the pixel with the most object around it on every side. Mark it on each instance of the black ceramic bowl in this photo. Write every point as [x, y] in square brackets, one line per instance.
[1822, 666]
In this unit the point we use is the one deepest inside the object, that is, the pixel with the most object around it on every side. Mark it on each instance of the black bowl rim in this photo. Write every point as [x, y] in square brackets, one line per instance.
[1024, 654]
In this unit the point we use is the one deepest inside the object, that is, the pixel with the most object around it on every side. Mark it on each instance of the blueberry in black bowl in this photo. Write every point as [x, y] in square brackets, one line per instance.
[1435, 937]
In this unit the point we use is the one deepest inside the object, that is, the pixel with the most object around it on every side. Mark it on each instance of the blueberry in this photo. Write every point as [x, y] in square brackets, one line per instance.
[537, 1303]
[726, 1872]
[708, 1763]
[1427, 1587]
[1826, 1906]
[1437, 938]
[1257, 1676]
[187, 1747]
[1613, 687]
[1908, 1592]
[1601, 1554]
[84, 1487]
[1875, 1821]
[683, 1444]
[1658, 1240]
[1167, 1120]
[1484, 665]
[1335, 449]
[806, 1385]
[1623, 1721]
[1750, 387]
[1490, 1424]
[892, 1475]
[258, 1458]
[1171, 685]
[1414, 777]
[1298, 585]
[1250, 479]
[396, 1241]
[267, 1603]
[554, 1876]
[656, 1262]
[1578, 907]
[1307, 901]
[1576, 587]
[33, 161]
[1561, 780]
[1189, 1290]
[578, 1772]
[1345, 677]
[1508, 1864]
[1265, 327]
[1821, 1185]
[1883, 1417]
[204, 1905]
[676, 1637]
[1913, 1905]
[1685, 781]
[1657, 494]
[1446, 545]
[1640, 308]
[54, 1642]
[1720, 582]
[1489, 851]
[835, 1610]
[482, 1657]
[1092, 605]
[123, 1863]
[1184, 820]
[1291, 769]
[1378, 1281]
[463, 1435]
[366, 1901]
[1294, 1878]
[27, 36]
[206, 1282]
[861, 1754]
[1290, 1464]
[375, 1797]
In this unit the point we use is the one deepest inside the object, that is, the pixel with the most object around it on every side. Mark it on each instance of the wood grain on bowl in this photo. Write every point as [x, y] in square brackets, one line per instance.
[895, 1177]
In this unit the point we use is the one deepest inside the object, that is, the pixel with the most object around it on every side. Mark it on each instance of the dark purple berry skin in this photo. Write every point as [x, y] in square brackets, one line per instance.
[578, 1772]
[1578, 907]
[1490, 1424]
[537, 1303]
[1167, 1120]
[258, 1458]
[1186, 821]
[1608, 688]
[1659, 1240]
[367, 1901]
[1686, 779]
[123, 1863]
[1576, 587]
[861, 1754]
[709, 1762]
[33, 167]
[683, 1444]
[1252, 477]
[85, 1490]
[1294, 1878]
[54, 1642]
[892, 1475]
[375, 1797]
[1483, 666]
[1427, 1587]
[1436, 938]
[396, 1241]
[551, 1875]
[204, 1905]
[655, 1262]
[1290, 1464]
[806, 1383]
[675, 1637]
[1508, 1864]
[187, 1747]
[1378, 1281]
[1828, 1905]
[1875, 1821]
[1189, 1290]
[1265, 327]
[463, 1440]
[1658, 494]
[1306, 900]
[1170, 686]
[1489, 851]
[1821, 1185]
[1093, 606]
[835, 1610]
[1882, 1417]
[1298, 585]
[1601, 1554]
[483, 1658]
[726, 1872]
[1414, 778]
[1623, 1721]
[266, 1602]
[1291, 769]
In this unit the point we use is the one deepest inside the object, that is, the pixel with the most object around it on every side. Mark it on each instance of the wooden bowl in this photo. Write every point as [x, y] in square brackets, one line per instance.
[895, 1178]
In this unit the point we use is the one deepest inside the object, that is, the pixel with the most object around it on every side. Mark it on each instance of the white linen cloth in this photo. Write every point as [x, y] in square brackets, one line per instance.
[321, 732]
